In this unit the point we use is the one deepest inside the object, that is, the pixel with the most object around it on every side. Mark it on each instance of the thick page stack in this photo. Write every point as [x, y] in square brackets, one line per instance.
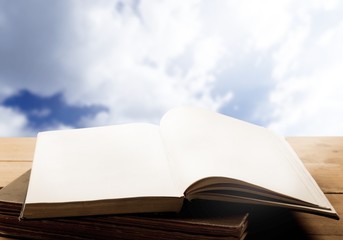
[196, 221]
[192, 154]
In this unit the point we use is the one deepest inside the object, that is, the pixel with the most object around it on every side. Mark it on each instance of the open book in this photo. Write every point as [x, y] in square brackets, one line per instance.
[139, 167]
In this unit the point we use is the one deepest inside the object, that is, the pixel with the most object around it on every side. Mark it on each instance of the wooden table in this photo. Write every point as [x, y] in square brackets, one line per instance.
[323, 157]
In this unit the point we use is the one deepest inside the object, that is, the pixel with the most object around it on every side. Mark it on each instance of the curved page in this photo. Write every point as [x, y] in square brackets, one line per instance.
[203, 144]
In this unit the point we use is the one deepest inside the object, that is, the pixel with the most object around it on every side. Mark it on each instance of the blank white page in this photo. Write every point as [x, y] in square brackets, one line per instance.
[204, 144]
[100, 163]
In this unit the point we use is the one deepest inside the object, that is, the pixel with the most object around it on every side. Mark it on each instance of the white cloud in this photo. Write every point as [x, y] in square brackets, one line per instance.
[310, 105]
[289, 51]
[307, 99]
[128, 59]
[265, 22]
[12, 123]
[140, 58]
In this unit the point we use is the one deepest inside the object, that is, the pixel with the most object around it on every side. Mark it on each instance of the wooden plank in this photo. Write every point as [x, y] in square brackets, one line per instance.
[323, 157]
[17, 149]
[11, 170]
[328, 149]
[323, 228]
[318, 149]
[16, 156]
[323, 237]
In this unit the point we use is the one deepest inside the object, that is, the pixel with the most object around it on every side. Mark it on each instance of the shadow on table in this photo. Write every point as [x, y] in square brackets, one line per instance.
[274, 223]
[264, 222]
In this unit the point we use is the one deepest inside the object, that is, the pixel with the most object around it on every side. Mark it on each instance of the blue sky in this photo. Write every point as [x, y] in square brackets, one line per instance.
[67, 64]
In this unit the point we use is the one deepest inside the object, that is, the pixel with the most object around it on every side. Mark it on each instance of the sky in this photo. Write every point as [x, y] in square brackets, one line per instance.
[71, 64]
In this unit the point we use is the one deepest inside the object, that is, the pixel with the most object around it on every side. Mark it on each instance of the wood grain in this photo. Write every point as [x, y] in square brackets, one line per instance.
[323, 157]
[16, 156]
[17, 149]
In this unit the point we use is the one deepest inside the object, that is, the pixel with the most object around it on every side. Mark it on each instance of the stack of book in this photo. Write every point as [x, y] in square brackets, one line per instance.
[199, 220]
[178, 180]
